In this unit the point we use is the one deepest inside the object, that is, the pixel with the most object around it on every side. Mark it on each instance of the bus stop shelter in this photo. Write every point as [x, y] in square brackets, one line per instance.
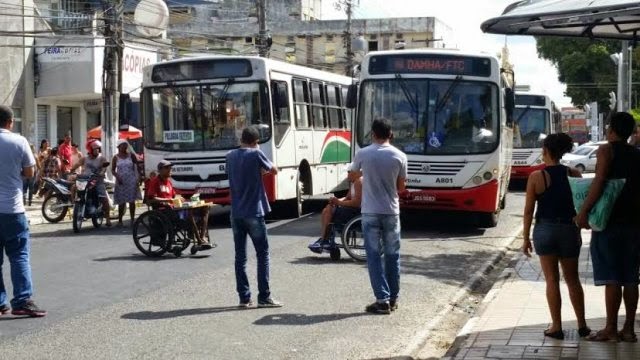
[604, 19]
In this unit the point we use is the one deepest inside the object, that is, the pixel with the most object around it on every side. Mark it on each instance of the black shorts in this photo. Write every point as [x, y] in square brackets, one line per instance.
[342, 214]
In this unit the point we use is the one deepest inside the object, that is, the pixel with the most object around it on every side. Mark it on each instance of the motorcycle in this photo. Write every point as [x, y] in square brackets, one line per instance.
[88, 205]
[57, 201]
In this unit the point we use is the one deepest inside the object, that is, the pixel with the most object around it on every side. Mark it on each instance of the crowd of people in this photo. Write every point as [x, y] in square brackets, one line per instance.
[377, 176]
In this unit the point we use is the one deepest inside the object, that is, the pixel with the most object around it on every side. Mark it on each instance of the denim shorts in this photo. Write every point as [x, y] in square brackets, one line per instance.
[615, 253]
[561, 240]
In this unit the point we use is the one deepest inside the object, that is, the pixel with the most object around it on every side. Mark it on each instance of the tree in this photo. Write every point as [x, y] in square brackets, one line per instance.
[584, 65]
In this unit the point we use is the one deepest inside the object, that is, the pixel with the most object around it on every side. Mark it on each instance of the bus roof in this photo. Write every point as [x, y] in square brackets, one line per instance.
[279, 66]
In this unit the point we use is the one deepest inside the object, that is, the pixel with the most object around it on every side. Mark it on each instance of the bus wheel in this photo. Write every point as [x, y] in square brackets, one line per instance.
[488, 220]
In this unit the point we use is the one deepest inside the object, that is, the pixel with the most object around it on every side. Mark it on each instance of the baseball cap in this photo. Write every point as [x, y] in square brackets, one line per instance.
[122, 141]
[164, 163]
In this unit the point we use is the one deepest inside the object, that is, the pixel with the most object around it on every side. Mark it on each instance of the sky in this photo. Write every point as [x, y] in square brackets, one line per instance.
[540, 74]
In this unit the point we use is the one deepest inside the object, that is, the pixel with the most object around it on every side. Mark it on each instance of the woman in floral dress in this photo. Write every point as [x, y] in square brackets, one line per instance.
[124, 168]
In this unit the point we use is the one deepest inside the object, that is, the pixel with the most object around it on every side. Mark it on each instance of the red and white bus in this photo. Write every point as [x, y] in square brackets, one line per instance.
[535, 117]
[194, 110]
[450, 112]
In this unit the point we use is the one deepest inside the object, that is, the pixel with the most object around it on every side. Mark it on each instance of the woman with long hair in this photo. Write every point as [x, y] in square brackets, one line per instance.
[556, 238]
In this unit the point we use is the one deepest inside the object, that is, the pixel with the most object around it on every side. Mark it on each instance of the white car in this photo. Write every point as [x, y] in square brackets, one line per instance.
[583, 157]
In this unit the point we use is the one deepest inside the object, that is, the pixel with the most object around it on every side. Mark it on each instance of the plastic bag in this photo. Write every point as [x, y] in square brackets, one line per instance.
[601, 211]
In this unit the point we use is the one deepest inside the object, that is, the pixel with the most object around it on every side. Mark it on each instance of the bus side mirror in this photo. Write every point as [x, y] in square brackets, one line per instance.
[509, 104]
[352, 96]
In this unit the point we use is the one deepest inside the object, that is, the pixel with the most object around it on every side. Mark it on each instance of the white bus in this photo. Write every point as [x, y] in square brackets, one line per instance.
[194, 110]
[534, 118]
[451, 114]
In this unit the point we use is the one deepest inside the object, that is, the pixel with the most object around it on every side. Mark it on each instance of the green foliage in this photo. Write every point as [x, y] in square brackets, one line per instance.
[636, 115]
[584, 65]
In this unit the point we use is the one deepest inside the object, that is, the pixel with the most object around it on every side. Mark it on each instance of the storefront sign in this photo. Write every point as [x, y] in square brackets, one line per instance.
[93, 105]
[178, 136]
[133, 61]
[65, 54]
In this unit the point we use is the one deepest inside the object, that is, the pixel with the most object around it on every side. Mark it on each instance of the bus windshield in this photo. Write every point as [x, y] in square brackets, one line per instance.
[432, 117]
[203, 117]
[531, 127]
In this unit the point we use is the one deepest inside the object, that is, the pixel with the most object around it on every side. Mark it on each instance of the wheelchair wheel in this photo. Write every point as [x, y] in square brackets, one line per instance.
[151, 234]
[353, 239]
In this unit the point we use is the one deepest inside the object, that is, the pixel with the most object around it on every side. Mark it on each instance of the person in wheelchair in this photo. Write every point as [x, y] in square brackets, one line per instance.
[160, 195]
[339, 211]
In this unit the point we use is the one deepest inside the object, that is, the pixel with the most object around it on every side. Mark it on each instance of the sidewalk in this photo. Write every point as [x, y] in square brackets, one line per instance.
[514, 315]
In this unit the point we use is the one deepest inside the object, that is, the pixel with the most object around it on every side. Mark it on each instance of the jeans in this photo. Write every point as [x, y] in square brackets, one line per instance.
[257, 230]
[28, 187]
[382, 236]
[14, 241]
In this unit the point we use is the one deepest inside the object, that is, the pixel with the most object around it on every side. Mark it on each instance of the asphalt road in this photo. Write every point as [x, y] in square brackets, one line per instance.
[105, 300]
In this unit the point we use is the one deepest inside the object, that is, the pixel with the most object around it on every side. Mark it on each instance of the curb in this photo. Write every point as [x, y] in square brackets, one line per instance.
[466, 330]
[420, 339]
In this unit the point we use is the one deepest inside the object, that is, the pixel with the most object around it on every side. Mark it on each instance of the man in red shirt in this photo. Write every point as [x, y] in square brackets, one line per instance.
[160, 193]
[66, 154]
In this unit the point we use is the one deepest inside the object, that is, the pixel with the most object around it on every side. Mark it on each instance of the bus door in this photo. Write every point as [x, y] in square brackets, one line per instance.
[283, 132]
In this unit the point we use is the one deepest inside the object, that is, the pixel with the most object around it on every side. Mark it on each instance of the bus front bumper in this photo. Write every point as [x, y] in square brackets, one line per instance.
[221, 196]
[523, 172]
[483, 198]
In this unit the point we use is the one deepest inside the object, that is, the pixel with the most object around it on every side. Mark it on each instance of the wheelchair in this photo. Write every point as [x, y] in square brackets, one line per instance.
[158, 231]
[351, 240]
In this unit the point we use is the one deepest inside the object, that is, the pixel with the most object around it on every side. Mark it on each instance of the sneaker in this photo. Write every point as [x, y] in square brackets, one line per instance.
[245, 304]
[4, 309]
[269, 303]
[379, 308]
[316, 247]
[29, 309]
[393, 304]
[326, 245]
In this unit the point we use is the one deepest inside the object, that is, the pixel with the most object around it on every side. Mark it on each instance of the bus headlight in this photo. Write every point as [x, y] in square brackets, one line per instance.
[477, 180]
[487, 175]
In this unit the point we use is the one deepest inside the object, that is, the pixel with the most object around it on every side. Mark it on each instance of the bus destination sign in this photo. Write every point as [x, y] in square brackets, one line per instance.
[429, 64]
[201, 69]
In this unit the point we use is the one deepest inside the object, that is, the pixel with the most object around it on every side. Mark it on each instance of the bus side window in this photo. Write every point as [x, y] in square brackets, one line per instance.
[348, 113]
[317, 108]
[301, 103]
[281, 115]
[333, 107]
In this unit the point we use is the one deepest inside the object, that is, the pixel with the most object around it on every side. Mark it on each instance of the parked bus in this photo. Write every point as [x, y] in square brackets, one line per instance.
[194, 111]
[450, 112]
[535, 117]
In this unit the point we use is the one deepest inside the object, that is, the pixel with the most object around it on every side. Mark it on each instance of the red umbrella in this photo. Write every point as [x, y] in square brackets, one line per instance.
[126, 132]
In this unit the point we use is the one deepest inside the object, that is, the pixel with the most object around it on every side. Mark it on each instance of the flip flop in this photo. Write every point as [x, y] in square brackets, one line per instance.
[600, 336]
[627, 337]
[584, 331]
[558, 335]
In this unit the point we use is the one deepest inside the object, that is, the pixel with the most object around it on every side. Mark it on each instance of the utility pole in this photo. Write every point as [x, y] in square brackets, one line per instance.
[111, 75]
[264, 39]
[348, 36]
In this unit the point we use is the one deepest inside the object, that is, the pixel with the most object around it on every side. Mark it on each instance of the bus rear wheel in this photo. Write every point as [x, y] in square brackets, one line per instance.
[488, 220]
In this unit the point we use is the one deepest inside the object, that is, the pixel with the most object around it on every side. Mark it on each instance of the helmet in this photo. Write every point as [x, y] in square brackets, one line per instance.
[93, 144]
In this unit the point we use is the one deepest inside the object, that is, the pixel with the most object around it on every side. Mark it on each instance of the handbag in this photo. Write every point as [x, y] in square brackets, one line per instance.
[601, 211]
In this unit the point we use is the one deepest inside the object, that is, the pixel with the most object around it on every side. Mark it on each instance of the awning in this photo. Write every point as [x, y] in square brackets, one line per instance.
[606, 19]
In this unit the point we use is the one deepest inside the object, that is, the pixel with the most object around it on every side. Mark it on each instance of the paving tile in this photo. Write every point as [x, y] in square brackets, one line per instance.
[569, 353]
[541, 352]
[476, 352]
[504, 352]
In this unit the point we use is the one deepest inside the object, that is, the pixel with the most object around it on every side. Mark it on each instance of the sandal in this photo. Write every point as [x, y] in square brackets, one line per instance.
[584, 331]
[601, 336]
[558, 335]
[627, 337]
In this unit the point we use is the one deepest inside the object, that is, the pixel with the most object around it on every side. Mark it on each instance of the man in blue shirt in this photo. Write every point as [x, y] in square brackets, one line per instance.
[249, 205]
[16, 161]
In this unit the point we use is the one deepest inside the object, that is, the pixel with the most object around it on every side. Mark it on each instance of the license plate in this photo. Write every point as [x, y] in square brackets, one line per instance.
[207, 190]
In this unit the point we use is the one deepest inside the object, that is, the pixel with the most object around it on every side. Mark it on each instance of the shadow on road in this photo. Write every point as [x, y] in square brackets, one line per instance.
[170, 314]
[141, 257]
[442, 267]
[302, 319]
[325, 260]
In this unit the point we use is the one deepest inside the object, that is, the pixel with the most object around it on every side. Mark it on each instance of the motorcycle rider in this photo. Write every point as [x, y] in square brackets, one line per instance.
[94, 163]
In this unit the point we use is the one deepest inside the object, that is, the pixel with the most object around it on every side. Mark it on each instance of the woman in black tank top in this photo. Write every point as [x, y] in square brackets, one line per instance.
[555, 237]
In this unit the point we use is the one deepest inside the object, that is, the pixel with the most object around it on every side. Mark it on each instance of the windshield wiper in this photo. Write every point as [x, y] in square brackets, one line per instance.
[405, 89]
[447, 94]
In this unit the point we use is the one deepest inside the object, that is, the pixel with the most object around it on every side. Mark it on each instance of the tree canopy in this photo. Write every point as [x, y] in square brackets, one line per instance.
[584, 65]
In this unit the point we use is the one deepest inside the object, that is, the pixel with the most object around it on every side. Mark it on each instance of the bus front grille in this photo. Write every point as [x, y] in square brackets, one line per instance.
[435, 168]
[197, 178]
